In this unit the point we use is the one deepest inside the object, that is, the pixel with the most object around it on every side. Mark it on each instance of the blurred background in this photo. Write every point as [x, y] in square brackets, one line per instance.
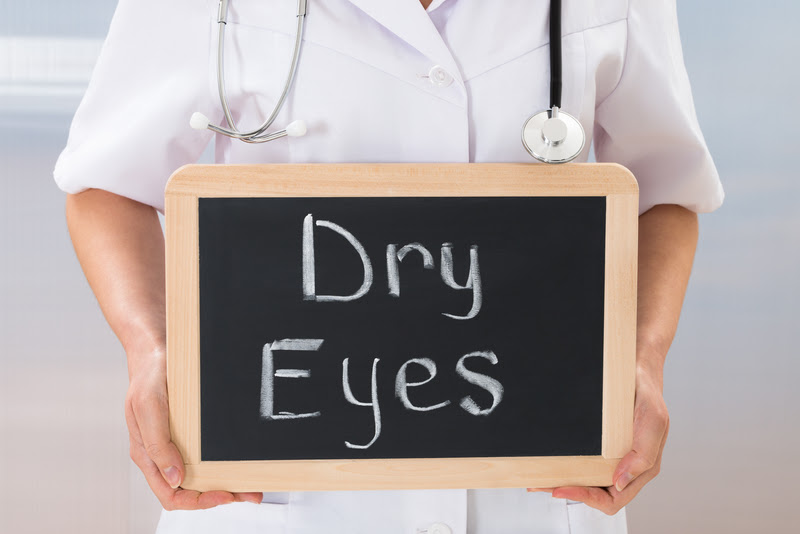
[730, 465]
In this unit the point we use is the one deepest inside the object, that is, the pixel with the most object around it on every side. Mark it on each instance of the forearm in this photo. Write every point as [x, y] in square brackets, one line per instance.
[667, 243]
[120, 246]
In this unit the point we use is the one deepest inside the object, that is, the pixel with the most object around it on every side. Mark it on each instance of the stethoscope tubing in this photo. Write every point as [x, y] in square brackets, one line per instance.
[556, 75]
[256, 136]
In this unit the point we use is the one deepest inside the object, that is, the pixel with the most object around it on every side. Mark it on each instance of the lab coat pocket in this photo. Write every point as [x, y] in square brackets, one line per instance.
[236, 518]
[584, 519]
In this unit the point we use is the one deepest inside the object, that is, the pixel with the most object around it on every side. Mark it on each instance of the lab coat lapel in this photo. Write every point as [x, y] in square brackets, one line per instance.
[408, 20]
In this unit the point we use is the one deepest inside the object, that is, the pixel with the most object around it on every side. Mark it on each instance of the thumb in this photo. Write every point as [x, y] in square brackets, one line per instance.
[631, 466]
[648, 440]
[168, 460]
[152, 416]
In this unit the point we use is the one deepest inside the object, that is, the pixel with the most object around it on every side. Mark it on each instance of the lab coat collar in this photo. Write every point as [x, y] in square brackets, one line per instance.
[435, 5]
[408, 20]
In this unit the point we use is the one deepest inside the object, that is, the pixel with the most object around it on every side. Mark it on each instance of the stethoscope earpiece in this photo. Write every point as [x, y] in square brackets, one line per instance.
[553, 136]
[199, 121]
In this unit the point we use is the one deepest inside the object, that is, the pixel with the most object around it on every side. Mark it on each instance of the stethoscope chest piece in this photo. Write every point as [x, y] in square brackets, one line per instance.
[553, 136]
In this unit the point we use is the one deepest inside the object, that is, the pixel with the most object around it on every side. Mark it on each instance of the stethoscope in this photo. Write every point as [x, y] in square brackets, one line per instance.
[550, 136]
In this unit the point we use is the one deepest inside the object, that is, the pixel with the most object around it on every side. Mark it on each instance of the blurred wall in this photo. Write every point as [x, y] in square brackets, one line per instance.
[729, 466]
[64, 463]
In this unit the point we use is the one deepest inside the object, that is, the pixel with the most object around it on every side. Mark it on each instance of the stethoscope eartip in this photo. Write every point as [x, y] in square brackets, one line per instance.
[199, 121]
[296, 129]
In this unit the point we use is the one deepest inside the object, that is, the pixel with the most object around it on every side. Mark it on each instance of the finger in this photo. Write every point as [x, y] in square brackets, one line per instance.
[648, 435]
[254, 498]
[607, 500]
[152, 416]
[630, 491]
[598, 498]
[194, 500]
[172, 499]
[610, 500]
[622, 498]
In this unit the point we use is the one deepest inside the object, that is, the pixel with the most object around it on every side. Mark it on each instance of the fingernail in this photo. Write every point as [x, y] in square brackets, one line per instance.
[546, 490]
[173, 476]
[623, 480]
[255, 499]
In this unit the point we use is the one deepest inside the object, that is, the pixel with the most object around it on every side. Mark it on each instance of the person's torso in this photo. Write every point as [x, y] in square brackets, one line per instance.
[454, 84]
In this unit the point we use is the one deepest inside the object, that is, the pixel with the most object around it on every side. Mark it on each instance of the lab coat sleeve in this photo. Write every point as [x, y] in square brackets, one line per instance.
[131, 130]
[648, 122]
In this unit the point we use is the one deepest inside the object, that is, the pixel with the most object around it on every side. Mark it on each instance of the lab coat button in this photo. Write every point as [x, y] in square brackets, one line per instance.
[438, 528]
[439, 77]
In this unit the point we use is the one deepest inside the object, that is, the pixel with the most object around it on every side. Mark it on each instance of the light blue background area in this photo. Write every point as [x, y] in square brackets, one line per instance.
[731, 463]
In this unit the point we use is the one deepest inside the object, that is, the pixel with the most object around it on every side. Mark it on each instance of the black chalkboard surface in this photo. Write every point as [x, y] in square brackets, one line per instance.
[540, 264]
[377, 326]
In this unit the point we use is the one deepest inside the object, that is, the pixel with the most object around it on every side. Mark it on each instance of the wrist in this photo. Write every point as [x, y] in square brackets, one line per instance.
[146, 349]
[142, 364]
[143, 330]
[650, 364]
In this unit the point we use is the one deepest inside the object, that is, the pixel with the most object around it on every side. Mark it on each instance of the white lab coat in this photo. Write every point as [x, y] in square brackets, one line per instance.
[363, 90]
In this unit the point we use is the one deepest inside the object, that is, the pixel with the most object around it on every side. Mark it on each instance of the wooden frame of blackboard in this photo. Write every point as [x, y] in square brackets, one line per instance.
[192, 182]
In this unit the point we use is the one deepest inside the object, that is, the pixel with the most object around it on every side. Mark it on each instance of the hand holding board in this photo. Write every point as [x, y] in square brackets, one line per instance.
[401, 326]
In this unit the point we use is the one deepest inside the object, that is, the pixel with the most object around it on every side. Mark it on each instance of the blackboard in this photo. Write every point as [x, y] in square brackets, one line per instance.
[390, 334]
[540, 278]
